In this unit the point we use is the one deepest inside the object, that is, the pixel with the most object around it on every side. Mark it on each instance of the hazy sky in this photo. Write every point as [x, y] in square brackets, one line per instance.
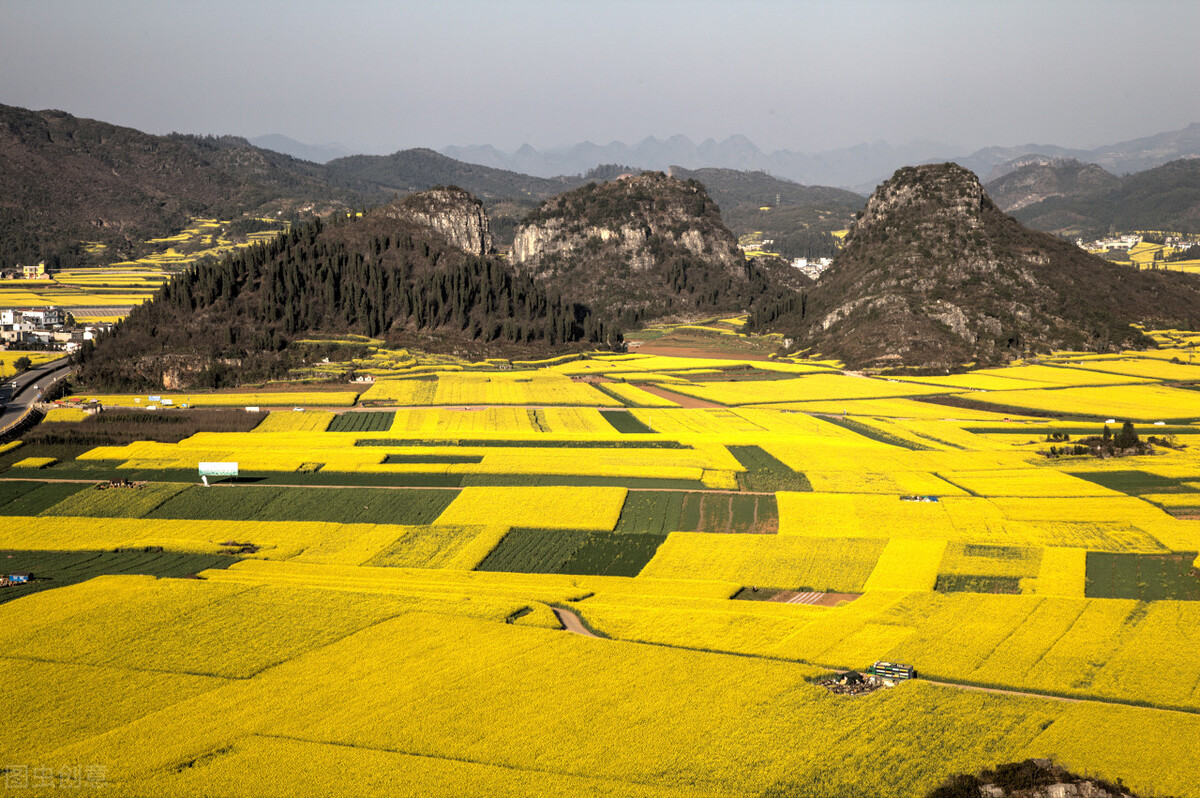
[806, 76]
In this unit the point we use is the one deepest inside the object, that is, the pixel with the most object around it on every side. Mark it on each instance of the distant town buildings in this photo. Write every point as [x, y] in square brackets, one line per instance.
[1124, 242]
[812, 267]
[38, 318]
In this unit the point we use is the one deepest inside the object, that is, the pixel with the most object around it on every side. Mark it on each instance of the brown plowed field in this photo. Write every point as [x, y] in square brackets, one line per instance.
[678, 398]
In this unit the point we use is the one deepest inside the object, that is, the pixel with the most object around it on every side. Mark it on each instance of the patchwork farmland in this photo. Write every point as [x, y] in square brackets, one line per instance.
[375, 590]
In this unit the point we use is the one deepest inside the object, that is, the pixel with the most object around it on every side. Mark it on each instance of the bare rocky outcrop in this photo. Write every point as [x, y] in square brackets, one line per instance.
[453, 212]
[645, 245]
[623, 216]
[537, 244]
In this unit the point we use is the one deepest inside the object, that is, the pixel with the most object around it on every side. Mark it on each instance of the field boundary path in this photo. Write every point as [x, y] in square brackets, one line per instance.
[1067, 699]
[573, 623]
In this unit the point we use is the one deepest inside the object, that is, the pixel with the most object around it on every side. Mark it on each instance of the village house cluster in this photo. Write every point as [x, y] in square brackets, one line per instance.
[812, 267]
[43, 328]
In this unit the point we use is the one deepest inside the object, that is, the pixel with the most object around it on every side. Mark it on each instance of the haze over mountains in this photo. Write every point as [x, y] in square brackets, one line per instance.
[860, 167]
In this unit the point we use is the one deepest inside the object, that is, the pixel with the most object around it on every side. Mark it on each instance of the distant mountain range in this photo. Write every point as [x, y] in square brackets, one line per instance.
[65, 179]
[859, 168]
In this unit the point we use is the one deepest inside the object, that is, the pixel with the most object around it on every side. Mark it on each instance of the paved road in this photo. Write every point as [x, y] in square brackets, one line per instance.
[25, 394]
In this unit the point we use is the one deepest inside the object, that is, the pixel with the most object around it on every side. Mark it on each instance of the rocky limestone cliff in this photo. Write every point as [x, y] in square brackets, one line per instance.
[644, 245]
[624, 215]
[453, 212]
[933, 274]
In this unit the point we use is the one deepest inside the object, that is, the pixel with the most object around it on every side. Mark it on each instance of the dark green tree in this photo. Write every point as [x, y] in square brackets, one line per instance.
[1127, 438]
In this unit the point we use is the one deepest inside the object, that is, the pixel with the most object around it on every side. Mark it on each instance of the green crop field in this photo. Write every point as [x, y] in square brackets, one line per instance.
[1145, 577]
[34, 498]
[965, 583]
[377, 421]
[1137, 483]
[102, 501]
[609, 554]
[534, 551]
[342, 505]
[531, 480]
[53, 569]
[567, 551]
[766, 473]
[442, 459]
[660, 512]
[623, 421]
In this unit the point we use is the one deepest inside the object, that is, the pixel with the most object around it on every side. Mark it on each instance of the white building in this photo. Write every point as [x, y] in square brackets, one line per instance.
[37, 317]
[812, 268]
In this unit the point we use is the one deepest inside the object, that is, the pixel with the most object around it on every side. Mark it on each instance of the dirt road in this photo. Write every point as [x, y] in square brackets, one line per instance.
[572, 622]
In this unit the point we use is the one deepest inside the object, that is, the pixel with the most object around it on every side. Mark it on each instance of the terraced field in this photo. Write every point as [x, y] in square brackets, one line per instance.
[376, 586]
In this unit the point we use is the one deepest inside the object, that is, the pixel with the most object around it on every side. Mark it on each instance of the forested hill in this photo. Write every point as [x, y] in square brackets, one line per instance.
[798, 219]
[1164, 198]
[935, 275]
[1041, 179]
[383, 275]
[64, 180]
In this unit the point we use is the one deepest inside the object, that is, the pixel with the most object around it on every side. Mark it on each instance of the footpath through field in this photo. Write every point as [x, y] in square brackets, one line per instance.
[573, 623]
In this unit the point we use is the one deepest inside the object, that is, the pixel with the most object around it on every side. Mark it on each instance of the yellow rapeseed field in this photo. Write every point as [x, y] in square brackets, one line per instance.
[56, 414]
[635, 396]
[35, 462]
[813, 387]
[1120, 402]
[824, 564]
[291, 421]
[9, 356]
[550, 508]
[547, 684]
[907, 565]
[376, 649]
